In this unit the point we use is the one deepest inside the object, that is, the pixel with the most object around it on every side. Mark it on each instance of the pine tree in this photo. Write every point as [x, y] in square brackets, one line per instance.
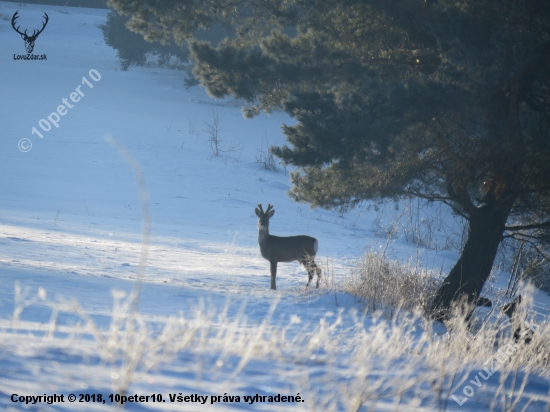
[447, 100]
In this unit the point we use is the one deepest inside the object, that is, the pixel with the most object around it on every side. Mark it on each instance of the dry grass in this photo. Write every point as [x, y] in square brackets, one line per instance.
[346, 362]
[389, 286]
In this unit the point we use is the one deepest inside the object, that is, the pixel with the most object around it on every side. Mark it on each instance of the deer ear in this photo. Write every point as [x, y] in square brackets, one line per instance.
[258, 212]
[271, 213]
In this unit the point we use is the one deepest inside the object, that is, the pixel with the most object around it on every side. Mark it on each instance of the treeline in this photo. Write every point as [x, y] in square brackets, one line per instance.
[94, 4]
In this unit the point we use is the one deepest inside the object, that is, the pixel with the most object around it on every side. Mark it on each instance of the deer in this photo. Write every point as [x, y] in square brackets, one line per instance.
[29, 40]
[277, 249]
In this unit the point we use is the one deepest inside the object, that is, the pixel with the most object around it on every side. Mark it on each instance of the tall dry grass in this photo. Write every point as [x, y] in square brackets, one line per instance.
[387, 285]
[347, 361]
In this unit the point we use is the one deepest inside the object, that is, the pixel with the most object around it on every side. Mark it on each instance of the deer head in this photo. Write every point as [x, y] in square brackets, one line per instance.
[263, 218]
[29, 40]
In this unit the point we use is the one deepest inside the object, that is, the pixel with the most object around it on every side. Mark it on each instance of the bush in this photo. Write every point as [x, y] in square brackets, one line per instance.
[266, 158]
[390, 286]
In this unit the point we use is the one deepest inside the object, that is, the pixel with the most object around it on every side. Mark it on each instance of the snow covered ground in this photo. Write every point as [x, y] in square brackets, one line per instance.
[207, 323]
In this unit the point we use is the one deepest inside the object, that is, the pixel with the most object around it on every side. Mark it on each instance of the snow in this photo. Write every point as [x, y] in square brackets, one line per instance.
[71, 238]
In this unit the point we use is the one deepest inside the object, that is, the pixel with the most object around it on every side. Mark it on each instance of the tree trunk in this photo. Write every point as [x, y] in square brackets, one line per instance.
[466, 279]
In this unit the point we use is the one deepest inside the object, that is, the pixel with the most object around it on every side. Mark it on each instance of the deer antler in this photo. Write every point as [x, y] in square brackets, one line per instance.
[34, 33]
[15, 16]
[43, 26]
[260, 207]
[269, 207]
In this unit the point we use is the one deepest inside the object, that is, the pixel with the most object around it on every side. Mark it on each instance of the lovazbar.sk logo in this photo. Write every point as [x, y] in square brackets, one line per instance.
[29, 39]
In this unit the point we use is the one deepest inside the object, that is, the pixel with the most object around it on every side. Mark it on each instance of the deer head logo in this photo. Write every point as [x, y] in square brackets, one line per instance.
[29, 40]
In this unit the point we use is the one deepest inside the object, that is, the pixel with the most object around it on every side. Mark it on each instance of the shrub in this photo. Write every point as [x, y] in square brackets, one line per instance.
[388, 285]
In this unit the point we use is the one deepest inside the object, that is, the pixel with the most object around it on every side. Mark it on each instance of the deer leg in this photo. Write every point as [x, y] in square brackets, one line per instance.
[310, 276]
[309, 267]
[273, 274]
[313, 269]
[309, 263]
[318, 270]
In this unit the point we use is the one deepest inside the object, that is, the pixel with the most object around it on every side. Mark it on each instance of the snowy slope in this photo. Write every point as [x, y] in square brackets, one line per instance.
[71, 231]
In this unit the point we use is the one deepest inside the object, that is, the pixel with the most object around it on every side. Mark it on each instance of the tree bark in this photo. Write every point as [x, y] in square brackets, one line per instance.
[468, 276]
